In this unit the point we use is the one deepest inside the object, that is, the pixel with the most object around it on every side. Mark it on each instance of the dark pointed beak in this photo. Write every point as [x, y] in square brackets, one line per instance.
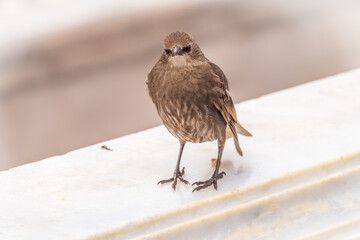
[177, 51]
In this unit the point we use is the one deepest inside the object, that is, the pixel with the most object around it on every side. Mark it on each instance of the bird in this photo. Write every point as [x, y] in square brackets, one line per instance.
[191, 96]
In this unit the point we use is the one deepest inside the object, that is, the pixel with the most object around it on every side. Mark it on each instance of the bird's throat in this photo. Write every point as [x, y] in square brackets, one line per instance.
[178, 61]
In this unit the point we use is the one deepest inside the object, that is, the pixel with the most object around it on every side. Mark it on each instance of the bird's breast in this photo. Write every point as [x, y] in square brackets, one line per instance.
[184, 103]
[187, 120]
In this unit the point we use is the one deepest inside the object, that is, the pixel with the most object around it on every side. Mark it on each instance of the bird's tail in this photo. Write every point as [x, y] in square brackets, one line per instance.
[236, 128]
[237, 146]
[229, 115]
[240, 129]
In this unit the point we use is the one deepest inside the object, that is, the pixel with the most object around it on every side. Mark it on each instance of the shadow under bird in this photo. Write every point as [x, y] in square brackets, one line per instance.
[191, 95]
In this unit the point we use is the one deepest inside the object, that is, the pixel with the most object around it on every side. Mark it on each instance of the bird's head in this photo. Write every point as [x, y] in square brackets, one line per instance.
[180, 48]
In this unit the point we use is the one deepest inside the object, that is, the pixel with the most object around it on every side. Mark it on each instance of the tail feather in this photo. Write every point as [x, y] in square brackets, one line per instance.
[240, 129]
[235, 137]
[235, 127]
[237, 146]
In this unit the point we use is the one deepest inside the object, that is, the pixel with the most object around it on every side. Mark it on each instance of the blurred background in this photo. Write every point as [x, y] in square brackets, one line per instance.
[72, 72]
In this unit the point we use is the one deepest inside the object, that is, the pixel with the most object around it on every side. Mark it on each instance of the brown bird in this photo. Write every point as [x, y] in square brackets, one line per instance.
[191, 95]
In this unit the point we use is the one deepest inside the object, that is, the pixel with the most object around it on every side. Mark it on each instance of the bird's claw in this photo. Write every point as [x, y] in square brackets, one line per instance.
[177, 175]
[207, 183]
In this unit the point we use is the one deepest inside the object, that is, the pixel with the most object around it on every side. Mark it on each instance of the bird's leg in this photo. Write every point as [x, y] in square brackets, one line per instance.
[216, 175]
[177, 174]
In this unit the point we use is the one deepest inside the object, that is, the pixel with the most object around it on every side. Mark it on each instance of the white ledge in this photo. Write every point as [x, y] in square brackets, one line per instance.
[299, 178]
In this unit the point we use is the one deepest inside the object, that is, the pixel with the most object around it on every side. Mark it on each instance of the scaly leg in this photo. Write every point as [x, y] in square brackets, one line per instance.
[177, 174]
[216, 175]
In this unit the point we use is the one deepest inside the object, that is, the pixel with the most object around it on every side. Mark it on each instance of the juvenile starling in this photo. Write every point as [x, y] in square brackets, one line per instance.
[191, 95]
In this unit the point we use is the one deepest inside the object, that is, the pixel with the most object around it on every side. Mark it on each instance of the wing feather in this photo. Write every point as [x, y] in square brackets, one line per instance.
[227, 109]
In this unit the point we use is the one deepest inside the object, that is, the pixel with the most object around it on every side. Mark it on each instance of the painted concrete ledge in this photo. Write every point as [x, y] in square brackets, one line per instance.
[299, 178]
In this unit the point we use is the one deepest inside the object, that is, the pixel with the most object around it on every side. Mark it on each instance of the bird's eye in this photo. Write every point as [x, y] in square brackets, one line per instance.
[187, 49]
[168, 51]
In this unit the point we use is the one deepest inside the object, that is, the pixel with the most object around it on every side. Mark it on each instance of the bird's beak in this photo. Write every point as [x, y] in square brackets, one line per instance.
[177, 51]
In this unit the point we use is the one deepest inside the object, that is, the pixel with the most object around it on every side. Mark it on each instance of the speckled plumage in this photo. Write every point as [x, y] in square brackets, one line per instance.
[191, 95]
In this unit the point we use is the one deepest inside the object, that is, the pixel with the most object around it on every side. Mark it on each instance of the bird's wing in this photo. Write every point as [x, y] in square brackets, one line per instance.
[151, 84]
[226, 106]
[220, 74]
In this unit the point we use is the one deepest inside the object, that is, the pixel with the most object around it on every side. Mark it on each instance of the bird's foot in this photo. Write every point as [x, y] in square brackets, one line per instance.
[207, 183]
[177, 175]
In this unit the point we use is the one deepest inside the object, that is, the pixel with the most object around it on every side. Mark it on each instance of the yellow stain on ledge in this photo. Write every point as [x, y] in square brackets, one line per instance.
[213, 163]
[311, 207]
[251, 232]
